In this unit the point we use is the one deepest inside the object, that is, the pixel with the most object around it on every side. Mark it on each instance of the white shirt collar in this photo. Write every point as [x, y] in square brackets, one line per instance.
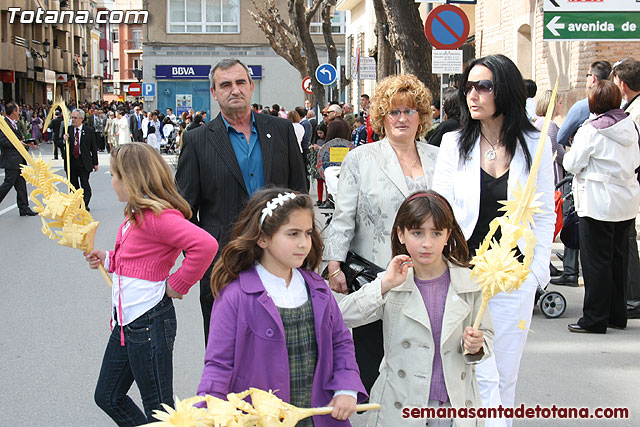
[282, 295]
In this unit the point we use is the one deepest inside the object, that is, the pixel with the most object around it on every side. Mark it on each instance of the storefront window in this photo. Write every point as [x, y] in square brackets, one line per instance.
[204, 16]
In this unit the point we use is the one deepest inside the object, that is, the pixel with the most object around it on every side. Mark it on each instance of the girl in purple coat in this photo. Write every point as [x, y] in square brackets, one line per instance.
[275, 324]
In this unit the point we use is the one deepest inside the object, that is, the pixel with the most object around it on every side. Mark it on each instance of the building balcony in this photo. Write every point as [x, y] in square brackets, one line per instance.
[56, 62]
[132, 46]
[67, 63]
[8, 53]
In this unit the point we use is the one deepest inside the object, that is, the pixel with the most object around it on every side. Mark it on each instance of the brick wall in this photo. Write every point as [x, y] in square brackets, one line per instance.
[497, 24]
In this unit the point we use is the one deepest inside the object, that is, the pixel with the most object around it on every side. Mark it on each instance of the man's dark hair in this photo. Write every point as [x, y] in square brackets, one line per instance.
[10, 108]
[531, 88]
[601, 69]
[198, 118]
[302, 112]
[364, 95]
[628, 71]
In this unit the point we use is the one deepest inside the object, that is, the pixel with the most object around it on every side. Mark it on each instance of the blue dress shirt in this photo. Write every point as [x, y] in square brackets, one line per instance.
[249, 156]
[578, 113]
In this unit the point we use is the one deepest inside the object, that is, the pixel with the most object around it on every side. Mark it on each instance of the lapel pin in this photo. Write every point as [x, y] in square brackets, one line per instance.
[268, 135]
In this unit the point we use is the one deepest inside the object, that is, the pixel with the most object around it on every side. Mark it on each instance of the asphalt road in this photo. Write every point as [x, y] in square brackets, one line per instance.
[56, 313]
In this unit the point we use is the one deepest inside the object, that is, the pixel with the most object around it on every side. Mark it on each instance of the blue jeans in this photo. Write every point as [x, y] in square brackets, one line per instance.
[146, 358]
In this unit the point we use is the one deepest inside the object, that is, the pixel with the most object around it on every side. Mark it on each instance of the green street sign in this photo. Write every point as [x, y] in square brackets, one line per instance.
[591, 26]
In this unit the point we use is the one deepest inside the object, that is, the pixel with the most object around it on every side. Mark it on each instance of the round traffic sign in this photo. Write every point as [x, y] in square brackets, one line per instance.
[306, 85]
[447, 27]
[135, 89]
[326, 74]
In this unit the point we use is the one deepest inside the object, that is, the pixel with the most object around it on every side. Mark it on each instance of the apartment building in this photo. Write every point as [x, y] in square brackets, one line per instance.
[185, 38]
[123, 45]
[37, 56]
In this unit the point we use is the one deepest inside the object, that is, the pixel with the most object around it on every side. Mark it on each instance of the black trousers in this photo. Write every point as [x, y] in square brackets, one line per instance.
[604, 254]
[13, 179]
[58, 145]
[100, 141]
[633, 278]
[206, 300]
[570, 265]
[79, 177]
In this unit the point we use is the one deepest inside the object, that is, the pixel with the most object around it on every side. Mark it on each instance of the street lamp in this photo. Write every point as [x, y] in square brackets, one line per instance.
[137, 73]
[46, 47]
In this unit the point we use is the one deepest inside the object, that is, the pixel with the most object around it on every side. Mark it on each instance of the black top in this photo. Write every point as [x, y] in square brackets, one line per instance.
[491, 191]
[449, 125]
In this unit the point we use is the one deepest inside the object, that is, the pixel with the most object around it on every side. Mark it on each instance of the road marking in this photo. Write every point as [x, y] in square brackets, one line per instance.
[5, 210]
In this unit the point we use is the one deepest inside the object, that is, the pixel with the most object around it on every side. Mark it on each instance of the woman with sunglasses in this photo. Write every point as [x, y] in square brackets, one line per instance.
[375, 179]
[477, 167]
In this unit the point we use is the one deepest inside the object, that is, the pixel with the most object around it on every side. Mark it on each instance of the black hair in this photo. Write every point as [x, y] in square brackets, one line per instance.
[451, 103]
[10, 108]
[530, 87]
[601, 69]
[152, 129]
[510, 98]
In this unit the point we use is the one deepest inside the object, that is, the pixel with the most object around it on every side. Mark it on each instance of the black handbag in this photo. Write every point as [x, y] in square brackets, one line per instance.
[357, 270]
[569, 235]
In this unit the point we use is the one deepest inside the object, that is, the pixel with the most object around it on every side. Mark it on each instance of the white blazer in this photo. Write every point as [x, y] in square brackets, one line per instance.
[459, 182]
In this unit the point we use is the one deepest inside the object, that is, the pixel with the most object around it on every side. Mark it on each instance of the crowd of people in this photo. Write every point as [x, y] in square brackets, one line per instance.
[415, 200]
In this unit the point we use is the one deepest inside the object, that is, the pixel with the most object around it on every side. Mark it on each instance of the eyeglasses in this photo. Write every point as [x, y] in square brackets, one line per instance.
[325, 114]
[589, 75]
[395, 114]
[483, 87]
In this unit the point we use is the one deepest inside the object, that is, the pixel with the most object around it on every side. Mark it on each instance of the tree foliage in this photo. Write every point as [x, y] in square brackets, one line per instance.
[290, 36]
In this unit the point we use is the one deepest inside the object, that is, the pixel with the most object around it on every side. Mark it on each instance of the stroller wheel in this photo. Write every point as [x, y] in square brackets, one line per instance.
[553, 304]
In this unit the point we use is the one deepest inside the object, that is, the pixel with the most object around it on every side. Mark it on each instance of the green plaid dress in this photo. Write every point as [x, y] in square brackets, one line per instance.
[299, 330]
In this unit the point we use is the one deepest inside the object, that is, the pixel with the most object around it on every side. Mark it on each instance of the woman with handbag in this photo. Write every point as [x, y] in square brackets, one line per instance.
[374, 181]
[604, 157]
[476, 168]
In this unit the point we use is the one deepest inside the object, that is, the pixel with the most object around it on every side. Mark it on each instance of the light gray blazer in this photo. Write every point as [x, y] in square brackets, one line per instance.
[371, 188]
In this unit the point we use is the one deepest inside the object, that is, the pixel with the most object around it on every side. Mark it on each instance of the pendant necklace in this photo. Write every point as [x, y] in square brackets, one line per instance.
[490, 154]
[408, 162]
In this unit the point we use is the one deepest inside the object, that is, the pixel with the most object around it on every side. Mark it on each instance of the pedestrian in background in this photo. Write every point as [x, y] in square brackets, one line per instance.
[604, 157]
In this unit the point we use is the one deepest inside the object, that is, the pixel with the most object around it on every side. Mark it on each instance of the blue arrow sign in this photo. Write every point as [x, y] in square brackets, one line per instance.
[148, 89]
[326, 74]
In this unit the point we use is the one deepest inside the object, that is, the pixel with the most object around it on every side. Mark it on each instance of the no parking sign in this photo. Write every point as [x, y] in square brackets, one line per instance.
[447, 27]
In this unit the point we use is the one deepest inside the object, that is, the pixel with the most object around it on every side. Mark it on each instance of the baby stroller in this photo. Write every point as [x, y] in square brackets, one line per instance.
[552, 303]
[168, 145]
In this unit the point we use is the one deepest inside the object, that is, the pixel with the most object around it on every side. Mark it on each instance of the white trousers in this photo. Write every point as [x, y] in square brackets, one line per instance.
[497, 376]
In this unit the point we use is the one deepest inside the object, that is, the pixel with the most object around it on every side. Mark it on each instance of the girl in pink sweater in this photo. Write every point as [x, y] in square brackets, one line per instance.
[155, 230]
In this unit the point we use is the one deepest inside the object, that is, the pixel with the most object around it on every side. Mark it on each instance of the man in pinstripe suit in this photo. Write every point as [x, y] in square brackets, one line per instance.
[225, 161]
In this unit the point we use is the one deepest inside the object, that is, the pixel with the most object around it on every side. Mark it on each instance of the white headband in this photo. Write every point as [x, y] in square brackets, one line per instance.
[274, 203]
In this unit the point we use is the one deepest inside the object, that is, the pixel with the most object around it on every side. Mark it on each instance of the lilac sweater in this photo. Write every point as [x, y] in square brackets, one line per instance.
[434, 295]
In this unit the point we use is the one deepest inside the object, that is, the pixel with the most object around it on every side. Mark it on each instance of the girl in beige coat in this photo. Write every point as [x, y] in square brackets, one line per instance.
[426, 301]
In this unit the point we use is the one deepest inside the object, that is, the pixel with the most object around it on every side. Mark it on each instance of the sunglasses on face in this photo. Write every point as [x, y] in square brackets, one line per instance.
[483, 87]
